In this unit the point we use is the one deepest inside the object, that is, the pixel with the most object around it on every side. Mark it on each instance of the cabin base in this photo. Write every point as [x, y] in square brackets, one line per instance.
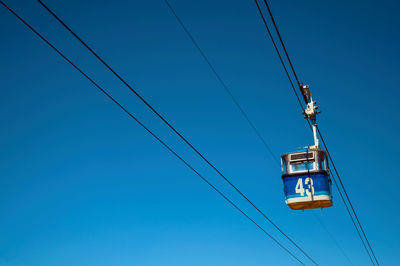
[317, 204]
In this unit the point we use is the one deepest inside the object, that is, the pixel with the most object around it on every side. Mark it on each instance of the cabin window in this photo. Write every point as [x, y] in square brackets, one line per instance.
[322, 164]
[284, 167]
[326, 167]
[302, 167]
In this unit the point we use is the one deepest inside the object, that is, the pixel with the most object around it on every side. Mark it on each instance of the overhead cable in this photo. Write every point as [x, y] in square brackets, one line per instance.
[221, 81]
[174, 129]
[147, 129]
[219, 78]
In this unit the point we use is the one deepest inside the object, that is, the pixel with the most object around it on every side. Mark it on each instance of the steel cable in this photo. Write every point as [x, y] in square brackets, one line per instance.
[174, 130]
[148, 130]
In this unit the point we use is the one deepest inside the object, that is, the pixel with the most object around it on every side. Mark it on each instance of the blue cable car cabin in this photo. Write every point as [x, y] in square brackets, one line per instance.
[306, 180]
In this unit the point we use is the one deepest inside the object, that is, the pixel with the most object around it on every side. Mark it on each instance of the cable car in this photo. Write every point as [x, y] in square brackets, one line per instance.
[306, 180]
[305, 174]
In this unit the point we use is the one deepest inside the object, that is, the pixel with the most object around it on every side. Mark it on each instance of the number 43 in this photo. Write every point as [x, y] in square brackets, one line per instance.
[300, 189]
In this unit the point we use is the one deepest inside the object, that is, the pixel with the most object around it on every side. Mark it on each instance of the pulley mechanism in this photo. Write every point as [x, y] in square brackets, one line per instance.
[310, 112]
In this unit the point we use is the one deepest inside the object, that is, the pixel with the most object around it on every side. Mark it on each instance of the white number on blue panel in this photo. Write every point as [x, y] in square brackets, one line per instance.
[307, 182]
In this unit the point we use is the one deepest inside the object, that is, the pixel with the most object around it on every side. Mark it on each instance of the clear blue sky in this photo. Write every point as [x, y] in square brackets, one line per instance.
[82, 184]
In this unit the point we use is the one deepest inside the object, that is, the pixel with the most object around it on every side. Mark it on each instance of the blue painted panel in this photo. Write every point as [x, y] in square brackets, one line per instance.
[321, 184]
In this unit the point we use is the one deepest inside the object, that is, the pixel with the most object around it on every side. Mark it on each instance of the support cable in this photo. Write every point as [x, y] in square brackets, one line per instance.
[347, 196]
[279, 54]
[283, 45]
[221, 81]
[174, 130]
[147, 129]
[351, 217]
[219, 78]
